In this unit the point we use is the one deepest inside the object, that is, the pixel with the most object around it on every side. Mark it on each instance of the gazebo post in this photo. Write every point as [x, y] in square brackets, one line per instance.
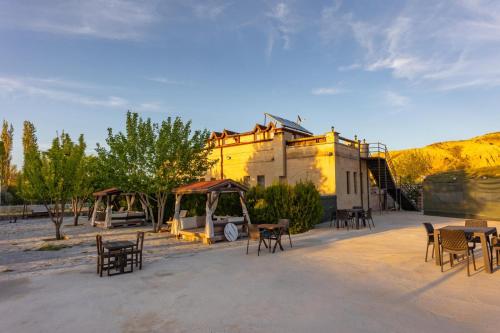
[107, 220]
[211, 205]
[244, 207]
[94, 212]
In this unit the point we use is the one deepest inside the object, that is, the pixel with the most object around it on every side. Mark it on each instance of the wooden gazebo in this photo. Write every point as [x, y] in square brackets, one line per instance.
[204, 228]
[110, 219]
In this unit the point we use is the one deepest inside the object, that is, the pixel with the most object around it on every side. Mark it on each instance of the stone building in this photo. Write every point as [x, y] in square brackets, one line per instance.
[284, 151]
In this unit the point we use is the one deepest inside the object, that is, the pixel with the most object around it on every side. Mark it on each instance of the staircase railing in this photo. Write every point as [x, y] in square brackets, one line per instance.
[379, 149]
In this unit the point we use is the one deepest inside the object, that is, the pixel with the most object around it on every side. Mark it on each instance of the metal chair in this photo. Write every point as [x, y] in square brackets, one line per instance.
[455, 242]
[255, 234]
[367, 218]
[285, 223]
[344, 217]
[495, 246]
[429, 228]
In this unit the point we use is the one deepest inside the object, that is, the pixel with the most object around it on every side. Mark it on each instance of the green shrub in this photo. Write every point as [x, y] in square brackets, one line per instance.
[229, 205]
[300, 203]
[306, 210]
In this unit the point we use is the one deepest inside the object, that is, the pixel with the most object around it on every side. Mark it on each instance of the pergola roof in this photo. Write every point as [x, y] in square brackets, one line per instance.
[222, 185]
[108, 191]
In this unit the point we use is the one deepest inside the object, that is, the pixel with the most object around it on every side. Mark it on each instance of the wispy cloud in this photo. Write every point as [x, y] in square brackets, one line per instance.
[208, 9]
[165, 80]
[328, 91]
[447, 44]
[396, 100]
[113, 19]
[283, 23]
[32, 87]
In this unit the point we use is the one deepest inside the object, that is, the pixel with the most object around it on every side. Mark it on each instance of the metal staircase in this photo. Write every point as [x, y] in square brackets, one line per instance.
[380, 165]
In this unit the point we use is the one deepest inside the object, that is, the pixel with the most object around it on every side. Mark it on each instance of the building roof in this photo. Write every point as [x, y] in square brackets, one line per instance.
[222, 185]
[288, 124]
[108, 191]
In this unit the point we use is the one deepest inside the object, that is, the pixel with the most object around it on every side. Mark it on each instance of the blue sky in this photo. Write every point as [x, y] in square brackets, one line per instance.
[406, 73]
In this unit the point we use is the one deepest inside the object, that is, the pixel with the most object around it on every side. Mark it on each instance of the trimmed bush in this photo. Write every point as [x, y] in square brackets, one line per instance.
[300, 203]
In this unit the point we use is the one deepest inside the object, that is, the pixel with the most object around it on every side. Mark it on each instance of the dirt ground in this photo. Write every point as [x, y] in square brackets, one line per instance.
[330, 281]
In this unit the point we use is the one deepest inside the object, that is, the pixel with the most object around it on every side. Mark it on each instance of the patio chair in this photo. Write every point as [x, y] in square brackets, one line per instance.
[429, 228]
[137, 251]
[367, 218]
[477, 224]
[344, 217]
[101, 255]
[495, 246]
[255, 234]
[455, 242]
[285, 223]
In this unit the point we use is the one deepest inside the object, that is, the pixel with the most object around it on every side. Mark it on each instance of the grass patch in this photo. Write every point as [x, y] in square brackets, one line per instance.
[53, 247]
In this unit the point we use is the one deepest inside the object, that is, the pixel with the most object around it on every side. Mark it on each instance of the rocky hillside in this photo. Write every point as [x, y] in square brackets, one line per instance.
[479, 152]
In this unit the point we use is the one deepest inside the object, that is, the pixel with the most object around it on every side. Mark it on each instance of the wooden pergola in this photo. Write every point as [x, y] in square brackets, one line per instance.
[212, 189]
[107, 197]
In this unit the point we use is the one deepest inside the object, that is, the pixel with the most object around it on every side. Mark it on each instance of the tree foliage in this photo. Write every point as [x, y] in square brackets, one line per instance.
[153, 158]
[51, 177]
[7, 170]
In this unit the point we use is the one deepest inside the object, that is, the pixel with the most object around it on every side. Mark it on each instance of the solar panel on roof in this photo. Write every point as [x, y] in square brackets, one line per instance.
[289, 124]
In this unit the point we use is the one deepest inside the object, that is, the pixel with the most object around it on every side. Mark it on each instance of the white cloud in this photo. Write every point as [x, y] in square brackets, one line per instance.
[283, 25]
[33, 87]
[446, 44]
[396, 100]
[112, 19]
[150, 106]
[165, 80]
[208, 9]
[327, 91]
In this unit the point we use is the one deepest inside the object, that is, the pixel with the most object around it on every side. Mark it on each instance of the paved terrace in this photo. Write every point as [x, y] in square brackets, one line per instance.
[331, 281]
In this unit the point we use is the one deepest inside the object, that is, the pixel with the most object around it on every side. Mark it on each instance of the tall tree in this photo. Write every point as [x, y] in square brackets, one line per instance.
[84, 185]
[50, 177]
[153, 158]
[6, 139]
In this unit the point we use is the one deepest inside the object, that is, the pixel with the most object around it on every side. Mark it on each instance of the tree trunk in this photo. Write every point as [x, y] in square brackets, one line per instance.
[161, 202]
[75, 218]
[58, 231]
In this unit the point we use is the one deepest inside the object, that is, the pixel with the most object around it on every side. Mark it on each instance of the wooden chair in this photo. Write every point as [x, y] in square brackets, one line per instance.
[255, 234]
[285, 223]
[495, 246]
[137, 251]
[102, 255]
[455, 242]
[429, 228]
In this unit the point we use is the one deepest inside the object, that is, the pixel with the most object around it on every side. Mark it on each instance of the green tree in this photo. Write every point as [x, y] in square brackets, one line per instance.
[153, 158]
[50, 177]
[7, 170]
[85, 182]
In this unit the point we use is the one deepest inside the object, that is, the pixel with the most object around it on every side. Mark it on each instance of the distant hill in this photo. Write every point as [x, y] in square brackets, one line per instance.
[472, 154]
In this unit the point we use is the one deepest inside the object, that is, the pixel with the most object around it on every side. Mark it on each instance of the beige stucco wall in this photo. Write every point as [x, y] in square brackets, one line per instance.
[321, 160]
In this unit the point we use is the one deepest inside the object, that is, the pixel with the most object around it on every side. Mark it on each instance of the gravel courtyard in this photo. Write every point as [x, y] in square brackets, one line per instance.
[330, 281]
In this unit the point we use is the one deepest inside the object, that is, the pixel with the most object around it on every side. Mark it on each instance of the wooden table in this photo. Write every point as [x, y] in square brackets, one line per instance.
[482, 233]
[120, 251]
[276, 230]
[357, 212]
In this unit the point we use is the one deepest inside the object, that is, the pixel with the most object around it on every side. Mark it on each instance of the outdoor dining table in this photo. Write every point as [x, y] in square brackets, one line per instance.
[276, 230]
[357, 213]
[482, 233]
[120, 250]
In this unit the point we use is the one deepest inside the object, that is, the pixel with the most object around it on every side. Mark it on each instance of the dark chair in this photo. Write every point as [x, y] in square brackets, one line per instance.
[430, 239]
[455, 242]
[103, 265]
[255, 234]
[285, 223]
[344, 219]
[137, 251]
[367, 218]
[495, 246]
